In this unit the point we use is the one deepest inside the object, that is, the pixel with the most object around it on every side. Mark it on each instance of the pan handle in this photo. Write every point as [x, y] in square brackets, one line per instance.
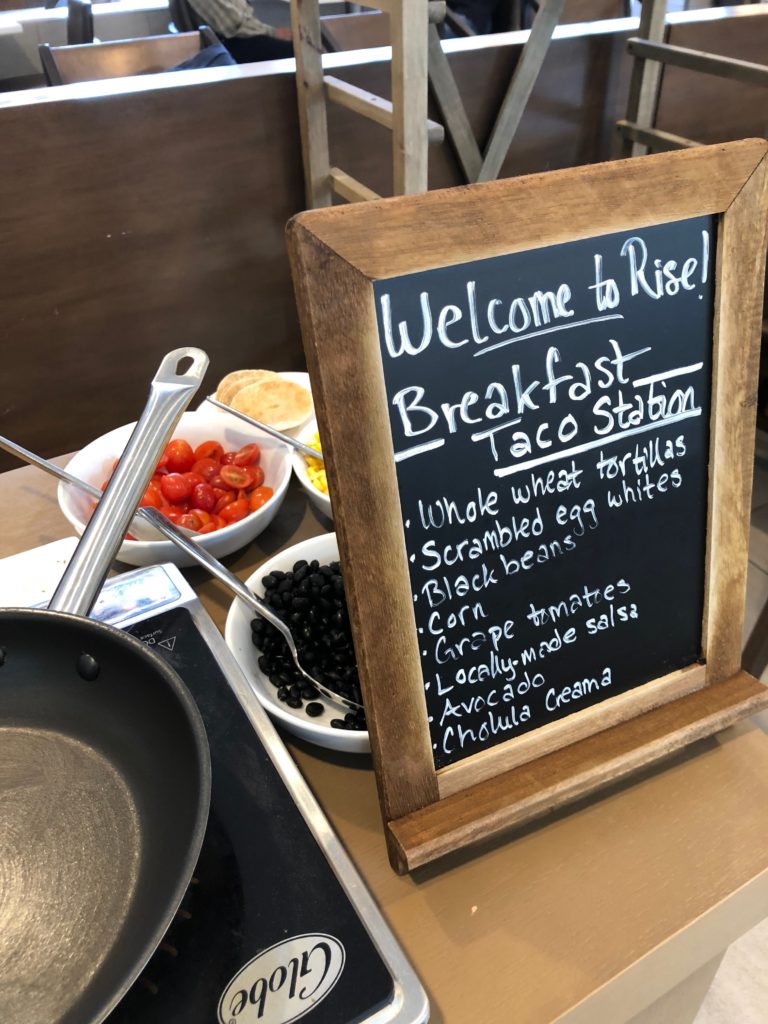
[170, 393]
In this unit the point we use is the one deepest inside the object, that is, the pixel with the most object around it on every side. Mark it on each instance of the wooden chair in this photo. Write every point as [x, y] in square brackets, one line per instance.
[405, 115]
[651, 54]
[92, 62]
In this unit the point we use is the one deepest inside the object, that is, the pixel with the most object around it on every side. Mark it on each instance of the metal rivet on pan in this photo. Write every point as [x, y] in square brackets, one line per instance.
[88, 667]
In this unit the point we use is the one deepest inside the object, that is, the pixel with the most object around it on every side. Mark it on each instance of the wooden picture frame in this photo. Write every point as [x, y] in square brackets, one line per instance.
[337, 255]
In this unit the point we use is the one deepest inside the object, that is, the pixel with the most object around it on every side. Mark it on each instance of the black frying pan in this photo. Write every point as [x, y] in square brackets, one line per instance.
[104, 771]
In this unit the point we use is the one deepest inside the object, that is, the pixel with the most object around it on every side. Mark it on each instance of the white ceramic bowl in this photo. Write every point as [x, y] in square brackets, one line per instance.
[94, 462]
[237, 633]
[320, 500]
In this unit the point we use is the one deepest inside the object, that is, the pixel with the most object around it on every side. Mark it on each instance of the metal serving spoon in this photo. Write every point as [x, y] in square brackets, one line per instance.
[305, 449]
[199, 554]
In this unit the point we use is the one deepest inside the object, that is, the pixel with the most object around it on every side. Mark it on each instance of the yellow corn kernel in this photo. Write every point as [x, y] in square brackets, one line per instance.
[315, 467]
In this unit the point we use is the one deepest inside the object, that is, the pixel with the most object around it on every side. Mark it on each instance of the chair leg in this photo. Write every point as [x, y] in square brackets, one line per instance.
[408, 23]
[313, 118]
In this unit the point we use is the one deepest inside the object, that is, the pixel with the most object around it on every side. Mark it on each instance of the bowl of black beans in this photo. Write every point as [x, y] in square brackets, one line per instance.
[305, 587]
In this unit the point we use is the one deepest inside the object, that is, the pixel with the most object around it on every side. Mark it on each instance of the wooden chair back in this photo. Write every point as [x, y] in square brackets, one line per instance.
[92, 62]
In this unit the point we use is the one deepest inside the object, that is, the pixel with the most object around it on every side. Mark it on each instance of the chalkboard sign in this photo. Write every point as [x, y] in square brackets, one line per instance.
[550, 421]
[536, 399]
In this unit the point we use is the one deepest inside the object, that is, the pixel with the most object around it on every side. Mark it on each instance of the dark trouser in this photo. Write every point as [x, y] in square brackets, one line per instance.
[249, 49]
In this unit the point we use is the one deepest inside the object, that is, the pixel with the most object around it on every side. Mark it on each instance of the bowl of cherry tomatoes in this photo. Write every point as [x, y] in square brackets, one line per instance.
[221, 483]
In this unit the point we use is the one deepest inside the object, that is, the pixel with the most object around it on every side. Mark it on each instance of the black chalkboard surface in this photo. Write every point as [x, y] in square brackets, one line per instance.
[549, 413]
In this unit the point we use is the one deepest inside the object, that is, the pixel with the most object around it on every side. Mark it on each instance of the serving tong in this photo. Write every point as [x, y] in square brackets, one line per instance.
[164, 526]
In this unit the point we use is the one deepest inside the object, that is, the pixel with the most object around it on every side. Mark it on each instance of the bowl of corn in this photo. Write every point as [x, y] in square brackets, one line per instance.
[311, 472]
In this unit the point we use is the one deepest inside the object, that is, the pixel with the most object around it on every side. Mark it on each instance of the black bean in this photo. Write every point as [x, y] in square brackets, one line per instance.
[299, 565]
[293, 702]
[314, 709]
[338, 723]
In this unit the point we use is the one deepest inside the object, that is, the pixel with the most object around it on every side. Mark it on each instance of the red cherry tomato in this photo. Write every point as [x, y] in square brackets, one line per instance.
[234, 511]
[153, 496]
[216, 523]
[239, 478]
[195, 519]
[219, 484]
[227, 458]
[206, 468]
[258, 476]
[190, 521]
[247, 456]
[203, 497]
[260, 496]
[225, 500]
[173, 510]
[176, 487]
[181, 458]
[209, 450]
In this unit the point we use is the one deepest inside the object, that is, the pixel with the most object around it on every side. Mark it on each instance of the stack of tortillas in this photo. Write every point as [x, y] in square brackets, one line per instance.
[267, 397]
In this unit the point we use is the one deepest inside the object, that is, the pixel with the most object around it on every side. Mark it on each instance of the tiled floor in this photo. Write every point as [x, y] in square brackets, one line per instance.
[739, 993]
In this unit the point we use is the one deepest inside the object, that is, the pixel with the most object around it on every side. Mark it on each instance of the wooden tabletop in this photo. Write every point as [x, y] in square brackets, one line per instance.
[588, 918]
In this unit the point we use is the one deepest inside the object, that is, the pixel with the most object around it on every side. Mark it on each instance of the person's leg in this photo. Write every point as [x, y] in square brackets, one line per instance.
[249, 49]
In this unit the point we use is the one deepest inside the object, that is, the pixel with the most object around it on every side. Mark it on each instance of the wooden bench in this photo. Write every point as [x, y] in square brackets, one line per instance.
[91, 62]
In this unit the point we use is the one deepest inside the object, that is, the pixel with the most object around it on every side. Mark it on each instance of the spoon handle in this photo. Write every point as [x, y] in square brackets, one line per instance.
[48, 467]
[305, 449]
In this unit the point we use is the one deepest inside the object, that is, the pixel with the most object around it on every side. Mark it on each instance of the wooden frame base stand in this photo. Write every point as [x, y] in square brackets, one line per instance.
[534, 789]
